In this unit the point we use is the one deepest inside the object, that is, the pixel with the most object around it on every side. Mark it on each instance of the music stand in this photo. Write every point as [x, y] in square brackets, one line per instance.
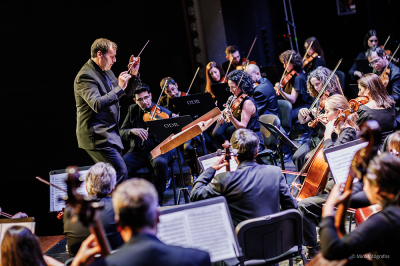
[164, 128]
[195, 105]
[222, 92]
[283, 139]
[363, 66]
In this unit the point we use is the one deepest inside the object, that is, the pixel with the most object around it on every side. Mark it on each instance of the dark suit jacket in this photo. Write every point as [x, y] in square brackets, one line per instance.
[265, 97]
[97, 108]
[148, 250]
[251, 191]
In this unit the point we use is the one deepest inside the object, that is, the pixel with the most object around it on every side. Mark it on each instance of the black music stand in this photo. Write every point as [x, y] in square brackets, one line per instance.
[195, 105]
[164, 128]
[222, 92]
[283, 139]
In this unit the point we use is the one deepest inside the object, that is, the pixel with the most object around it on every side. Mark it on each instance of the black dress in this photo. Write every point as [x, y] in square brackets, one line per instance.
[314, 64]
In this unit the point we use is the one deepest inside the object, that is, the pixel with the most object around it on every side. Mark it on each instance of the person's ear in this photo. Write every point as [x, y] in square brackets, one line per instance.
[99, 54]
[134, 99]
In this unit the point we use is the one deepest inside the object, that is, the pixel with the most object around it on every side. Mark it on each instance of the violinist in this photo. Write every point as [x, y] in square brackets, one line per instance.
[315, 55]
[377, 58]
[377, 237]
[233, 54]
[315, 82]
[142, 142]
[245, 115]
[214, 75]
[248, 192]
[370, 40]
[345, 131]
[171, 91]
[295, 91]
[264, 94]
[380, 106]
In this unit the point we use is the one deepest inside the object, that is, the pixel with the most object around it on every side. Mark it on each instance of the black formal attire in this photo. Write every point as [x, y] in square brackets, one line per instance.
[148, 250]
[311, 208]
[393, 87]
[353, 69]
[378, 235]
[253, 190]
[139, 155]
[97, 97]
[385, 118]
[225, 66]
[76, 232]
[265, 97]
[314, 64]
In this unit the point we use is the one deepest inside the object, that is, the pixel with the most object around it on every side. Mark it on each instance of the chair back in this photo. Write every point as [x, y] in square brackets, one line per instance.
[285, 108]
[268, 138]
[269, 236]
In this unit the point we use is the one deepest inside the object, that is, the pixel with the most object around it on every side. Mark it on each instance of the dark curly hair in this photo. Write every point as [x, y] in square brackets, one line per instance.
[246, 83]
[322, 74]
[297, 61]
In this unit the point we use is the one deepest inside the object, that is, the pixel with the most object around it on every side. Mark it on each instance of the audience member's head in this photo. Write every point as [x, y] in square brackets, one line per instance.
[135, 205]
[21, 248]
[246, 143]
[101, 179]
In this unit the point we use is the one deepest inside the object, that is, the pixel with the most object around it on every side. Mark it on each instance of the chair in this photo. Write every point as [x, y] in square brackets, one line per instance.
[272, 238]
[285, 108]
[269, 139]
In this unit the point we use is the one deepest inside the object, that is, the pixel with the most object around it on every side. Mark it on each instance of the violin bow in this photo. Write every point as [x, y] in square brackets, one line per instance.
[284, 72]
[138, 56]
[308, 49]
[386, 42]
[251, 48]
[50, 184]
[391, 58]
[158, 102]
[230, 63]
[6, 215]
[197, 71]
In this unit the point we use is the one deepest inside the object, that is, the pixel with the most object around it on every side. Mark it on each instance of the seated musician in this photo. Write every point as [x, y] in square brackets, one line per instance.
[135, 205]
[245, 115]
[171, 91]
[233, 53]
[346, 131]
[264, 94]
[377, 237]
[315, 82]
[380, 106]
[319, 57]
[248, 191]
[100, 182]
[214, 75]
[295, 90]
[377, 58]
[15, 216]
[143, 142]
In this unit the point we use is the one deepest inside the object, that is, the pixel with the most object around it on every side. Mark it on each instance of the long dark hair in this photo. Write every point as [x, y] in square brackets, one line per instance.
[369, 34]
[377, 90]
[297, 61]
[316, 46]
[209, 79]
[20, 247]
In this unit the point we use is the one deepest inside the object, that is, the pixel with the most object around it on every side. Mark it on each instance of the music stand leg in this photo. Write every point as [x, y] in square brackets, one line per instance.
[279, 148]
[174, 186]
[184, 190]
[203, 143]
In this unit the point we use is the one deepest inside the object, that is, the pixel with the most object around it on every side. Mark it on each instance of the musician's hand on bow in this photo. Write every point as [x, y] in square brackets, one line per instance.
[333, 200]
[219, 163]
[19, 215]
[123, 79]
[303, 115]
[329, 128]
[229, 116]
[142, 133]
[86, 252]
[358, 74]
[135, 61]
[278, 88]
[314, 112]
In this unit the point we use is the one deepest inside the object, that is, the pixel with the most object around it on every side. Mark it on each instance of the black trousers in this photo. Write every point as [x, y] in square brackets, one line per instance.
[113, 156]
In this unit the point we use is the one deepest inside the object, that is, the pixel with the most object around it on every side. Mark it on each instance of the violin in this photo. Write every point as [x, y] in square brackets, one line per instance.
[388, 52]
[287, 78]
[232, 104]
[386, 71]
[155, 114]
[309, 59]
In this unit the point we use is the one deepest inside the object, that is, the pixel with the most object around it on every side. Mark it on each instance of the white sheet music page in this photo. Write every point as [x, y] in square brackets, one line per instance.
[209, 162]
[339, 162]
[206, 228]
[55, 194]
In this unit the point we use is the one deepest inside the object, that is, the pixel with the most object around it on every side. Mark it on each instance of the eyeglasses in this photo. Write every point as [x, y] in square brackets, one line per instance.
[144, 99]
[374, 62]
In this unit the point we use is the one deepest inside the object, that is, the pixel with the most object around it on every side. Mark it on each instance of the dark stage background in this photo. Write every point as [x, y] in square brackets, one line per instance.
[45, 44]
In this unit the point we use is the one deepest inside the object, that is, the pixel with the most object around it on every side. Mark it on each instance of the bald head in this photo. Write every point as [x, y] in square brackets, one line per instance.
[254, 72]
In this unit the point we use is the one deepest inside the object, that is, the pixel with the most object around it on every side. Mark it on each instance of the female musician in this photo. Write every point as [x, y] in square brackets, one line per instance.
[379, 234]
[380, 106]
[214, 75]
[319, 60]
[245, 115]
[394, 144]
[346, 131]
[315, 81]
[370, 40]
[298, 96]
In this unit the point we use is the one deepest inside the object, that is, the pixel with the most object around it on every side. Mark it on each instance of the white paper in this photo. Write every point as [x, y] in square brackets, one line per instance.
[55, 194]
[339, 162]
[206, 228]
[209, 162]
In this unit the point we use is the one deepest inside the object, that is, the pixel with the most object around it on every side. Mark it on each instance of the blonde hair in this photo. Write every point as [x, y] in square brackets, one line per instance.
[322, 74]
[339, 102]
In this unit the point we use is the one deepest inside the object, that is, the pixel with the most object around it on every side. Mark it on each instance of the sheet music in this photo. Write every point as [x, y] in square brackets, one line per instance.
[206, 228]
[339, 162]
[209, 162]
[56, 194]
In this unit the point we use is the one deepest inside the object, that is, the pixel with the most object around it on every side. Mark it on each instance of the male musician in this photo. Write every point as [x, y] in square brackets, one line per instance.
[142, 142]
[135, 205]
[97, 93]
[250, 193]
[171, 91]
[378, 60]
[232, 53]
[264, 94]
[100, 182]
